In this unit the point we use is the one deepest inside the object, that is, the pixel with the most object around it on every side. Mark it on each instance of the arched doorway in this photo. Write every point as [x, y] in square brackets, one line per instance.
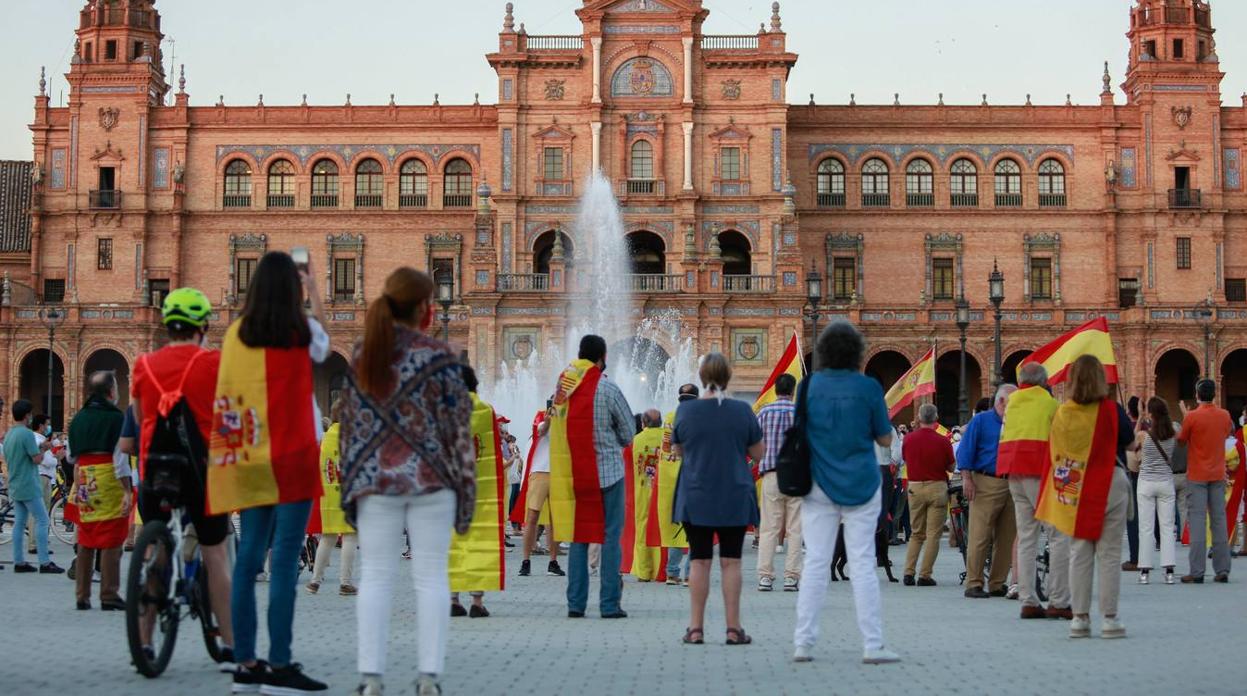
[1234, 382]
[887, 367]
[948, 385]
[735, 252]
[1177, 371]
[329, 378]
[648, 253]
[1010, 366]
[34, 385]
[543, 251]
[109, 359]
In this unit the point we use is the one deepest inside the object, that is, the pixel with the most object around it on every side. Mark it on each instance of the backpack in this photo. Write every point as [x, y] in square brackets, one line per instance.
[177, 456]
[792, 466]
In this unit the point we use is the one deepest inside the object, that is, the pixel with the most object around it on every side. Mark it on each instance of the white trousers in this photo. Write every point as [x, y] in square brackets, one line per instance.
[381, 520]
[1156, 498]
[820, 523]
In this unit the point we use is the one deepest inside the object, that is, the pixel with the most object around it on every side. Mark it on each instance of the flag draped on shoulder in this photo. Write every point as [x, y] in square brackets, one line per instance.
[327, 516]
[660, 529]
[646, 451]
[1091, 338]
[520, 510]
[263, 448]
[789, 363]
[1073, 495]
[476, 562]
[1024, 438]
[918, 382]
[576, 510]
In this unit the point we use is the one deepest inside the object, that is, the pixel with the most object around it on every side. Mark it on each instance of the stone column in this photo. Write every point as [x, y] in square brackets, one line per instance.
[597, 72]
[688, 156]
[597, 144]
[688, 70]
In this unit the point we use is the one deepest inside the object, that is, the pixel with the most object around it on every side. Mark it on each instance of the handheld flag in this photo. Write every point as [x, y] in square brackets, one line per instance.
[918, 382]
[789, 363]
[1091, 338]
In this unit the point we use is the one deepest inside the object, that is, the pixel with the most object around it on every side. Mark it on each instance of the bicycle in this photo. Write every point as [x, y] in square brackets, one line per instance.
[1041, 572]
[62, 528]
[6, 516]
[958, 517]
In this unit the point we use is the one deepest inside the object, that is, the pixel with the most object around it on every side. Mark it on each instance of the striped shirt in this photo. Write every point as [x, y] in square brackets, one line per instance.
[775, 419]
[1153, 466]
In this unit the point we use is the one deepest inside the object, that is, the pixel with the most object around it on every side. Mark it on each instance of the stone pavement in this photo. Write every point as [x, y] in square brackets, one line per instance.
[1182, 639]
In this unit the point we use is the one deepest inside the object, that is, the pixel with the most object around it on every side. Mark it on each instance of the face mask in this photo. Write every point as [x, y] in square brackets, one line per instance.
[1242, 420]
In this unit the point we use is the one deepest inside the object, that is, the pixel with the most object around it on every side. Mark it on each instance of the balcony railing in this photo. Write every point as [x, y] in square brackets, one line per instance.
[919, 200]
[325, 200]
[523, 282]
[281, 200]
[831, 200]
[876, 200]
[456, 200]
[1185, 198]
[749, 283]
[241, 200]
[965, 200]
[656, 282]
[642, 186]
[107, 199]
[739, 42]
[413, 200]
[554, 43]
[368, 200]
[1052, 200]
[1008, 200]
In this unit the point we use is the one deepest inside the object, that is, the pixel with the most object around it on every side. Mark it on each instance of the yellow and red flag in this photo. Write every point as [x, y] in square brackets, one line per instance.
[576, 510]
[262, 449]
[789, 363]
[1091, 338]
[1073, 495]
[520, 510]
[327, 516]
[477, 558]
[918, 382]
[660, 530]
[1024, 438]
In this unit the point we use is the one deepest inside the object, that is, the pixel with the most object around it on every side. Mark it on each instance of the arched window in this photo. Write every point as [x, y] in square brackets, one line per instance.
[457, 184]
[831, 183]
[1051, 184]
[369, 185]
[648, 255]
[875, 184]
[641, 168]
[919, 184]
[281, 184]
[543, 252]
[413, 184]
[237, 185]
[1008, 184]
[964, 183]
[734, 251]
[325, 184]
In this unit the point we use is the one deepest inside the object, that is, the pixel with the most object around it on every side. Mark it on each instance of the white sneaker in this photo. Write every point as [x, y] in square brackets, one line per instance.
[427, 686]
[1112, 628]
[790, 585]
[1169, 579]
[765, 584]
[1143, 578]
[1080, 628]
[802, 654]
[880, 656]
[371, 686]
[779, 548]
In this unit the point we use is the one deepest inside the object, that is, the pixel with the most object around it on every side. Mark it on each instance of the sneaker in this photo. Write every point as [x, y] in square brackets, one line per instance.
[790, 584]
[426, 685]
[1169, 579]
[407, 555]
[478, 611]
[457, 609]
[1013, 592]
[673, 579]
[553, 569]
[765, 584]
[51, 568]
[25, 568]
[261, 577]
[525, 569]
[312, 587]
[1080, 627]
[248, 680]
[347, 590]
[1143, 578]
[289, 681]
[540, 550]
[802, 654]
[880, 656]
[1112, 628]
[371, 686]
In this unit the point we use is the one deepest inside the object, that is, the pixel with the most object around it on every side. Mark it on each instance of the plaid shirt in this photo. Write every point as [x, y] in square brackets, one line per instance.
[775, 418]
[613, 429]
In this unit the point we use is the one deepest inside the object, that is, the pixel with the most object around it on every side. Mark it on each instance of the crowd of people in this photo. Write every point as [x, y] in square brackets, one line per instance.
[412, 463]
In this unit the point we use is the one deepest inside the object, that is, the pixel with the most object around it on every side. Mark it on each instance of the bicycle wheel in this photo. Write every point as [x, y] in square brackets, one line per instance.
[6, 519]
[150, 604]
[207, 620]
[62, 529]
[1041, 576]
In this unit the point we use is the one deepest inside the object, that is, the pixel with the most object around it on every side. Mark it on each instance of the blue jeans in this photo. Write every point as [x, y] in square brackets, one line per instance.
[677, 559]
[21, 509]
[281, 527]
[578, 558]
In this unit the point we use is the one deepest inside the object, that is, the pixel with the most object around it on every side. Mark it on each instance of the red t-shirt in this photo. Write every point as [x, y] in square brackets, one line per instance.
[928, 455]
[165, 367]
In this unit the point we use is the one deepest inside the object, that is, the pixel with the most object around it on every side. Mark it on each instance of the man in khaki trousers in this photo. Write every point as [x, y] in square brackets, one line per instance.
[929, 459]
[992, 521]
[780, 513]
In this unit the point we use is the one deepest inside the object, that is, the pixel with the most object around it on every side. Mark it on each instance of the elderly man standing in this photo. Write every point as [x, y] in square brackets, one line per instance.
[1204, 432]
[780, 513]
[1023, 457]
[929, 457]
[991, 507]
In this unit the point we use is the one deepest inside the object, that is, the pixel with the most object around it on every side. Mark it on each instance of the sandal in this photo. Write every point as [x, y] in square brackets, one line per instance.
[690, 640]
[737, 636]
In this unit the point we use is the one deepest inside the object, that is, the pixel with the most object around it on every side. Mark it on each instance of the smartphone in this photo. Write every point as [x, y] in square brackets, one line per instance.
[549, 404]
[301, 257]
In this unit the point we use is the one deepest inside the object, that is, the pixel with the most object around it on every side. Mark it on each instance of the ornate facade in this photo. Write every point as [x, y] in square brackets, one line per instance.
[733, 197]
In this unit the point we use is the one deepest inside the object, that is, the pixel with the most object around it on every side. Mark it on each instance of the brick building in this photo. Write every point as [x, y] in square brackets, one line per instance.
[733, 195]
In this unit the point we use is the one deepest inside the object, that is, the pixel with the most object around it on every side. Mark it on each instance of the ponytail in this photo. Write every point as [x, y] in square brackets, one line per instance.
[406, 291]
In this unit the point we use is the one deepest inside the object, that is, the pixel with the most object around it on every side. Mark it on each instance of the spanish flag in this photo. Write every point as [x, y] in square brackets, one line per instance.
[576, 510]
[918, 382]
[263, 447]
[1024, 438]
[519, 513]
[643, 457]
[476, 562]
[327, 516]
[1073, 495]
[1089, 339]
[660, 530]
[790, 363]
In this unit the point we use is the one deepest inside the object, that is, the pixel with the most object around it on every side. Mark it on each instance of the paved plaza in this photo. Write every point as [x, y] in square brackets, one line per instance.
[1183, 639]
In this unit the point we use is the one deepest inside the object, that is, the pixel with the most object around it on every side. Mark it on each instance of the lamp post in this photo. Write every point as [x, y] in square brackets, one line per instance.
[445, 296]
[1203, 313]
[963, 323]
[996, 293]
[51, 318]
[814, 294]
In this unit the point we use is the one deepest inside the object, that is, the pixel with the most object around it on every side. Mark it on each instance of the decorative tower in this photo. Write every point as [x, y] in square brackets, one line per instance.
[119, 44]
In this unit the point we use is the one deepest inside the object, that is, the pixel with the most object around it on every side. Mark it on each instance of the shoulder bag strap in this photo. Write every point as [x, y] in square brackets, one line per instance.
[1159, 448]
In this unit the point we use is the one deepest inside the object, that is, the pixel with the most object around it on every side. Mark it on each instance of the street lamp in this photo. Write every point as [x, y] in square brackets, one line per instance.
[51, 318]
[963, 323]
[445, 296]
[814, 294]
[1203, 313]
[996, 293]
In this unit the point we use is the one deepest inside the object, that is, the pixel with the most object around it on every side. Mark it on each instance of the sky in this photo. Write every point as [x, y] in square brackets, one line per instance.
[417, 48]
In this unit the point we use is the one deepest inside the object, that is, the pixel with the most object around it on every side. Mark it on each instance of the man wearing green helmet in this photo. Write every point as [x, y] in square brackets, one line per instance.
[184, 369]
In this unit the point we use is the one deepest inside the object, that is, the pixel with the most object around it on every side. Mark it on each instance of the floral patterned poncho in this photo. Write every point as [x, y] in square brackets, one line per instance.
[417, 440]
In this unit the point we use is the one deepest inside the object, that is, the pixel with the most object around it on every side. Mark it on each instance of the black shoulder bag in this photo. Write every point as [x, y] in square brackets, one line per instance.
[792, 467]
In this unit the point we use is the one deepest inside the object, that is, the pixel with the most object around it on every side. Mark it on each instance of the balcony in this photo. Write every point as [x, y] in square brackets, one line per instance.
[455, 200]
[876, 200]
[1185, 199]
[324, 200]
[919, 200]
[964, 200]
[831, 200]
[553, 43]
[735, 42]
[1052, 200]
[236, 201]
[656, 282]
[749, 283]
[523, 282]
[107, 199]
[413, 200]
[280, 200]
[641, 187]
[1008, 200]
[369, 200]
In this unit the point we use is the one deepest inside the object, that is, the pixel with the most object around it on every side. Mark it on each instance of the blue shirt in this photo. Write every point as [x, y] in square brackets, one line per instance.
[980, 442]
[846, 414]
[19, 448]
[716, 487]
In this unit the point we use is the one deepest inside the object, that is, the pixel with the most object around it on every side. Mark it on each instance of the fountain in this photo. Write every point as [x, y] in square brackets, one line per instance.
[602, 303]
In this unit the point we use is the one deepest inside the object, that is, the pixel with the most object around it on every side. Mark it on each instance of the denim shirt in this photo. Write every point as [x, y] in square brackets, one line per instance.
[846, 413]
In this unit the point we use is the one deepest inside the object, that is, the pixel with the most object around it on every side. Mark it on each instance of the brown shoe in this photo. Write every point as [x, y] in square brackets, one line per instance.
[1059, 613]
[347, 590]
[999, 592]
[312, 587]
[1129, 567]
[1192, 579]
[1033, 612]
[976, 593]
[1222, 578]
